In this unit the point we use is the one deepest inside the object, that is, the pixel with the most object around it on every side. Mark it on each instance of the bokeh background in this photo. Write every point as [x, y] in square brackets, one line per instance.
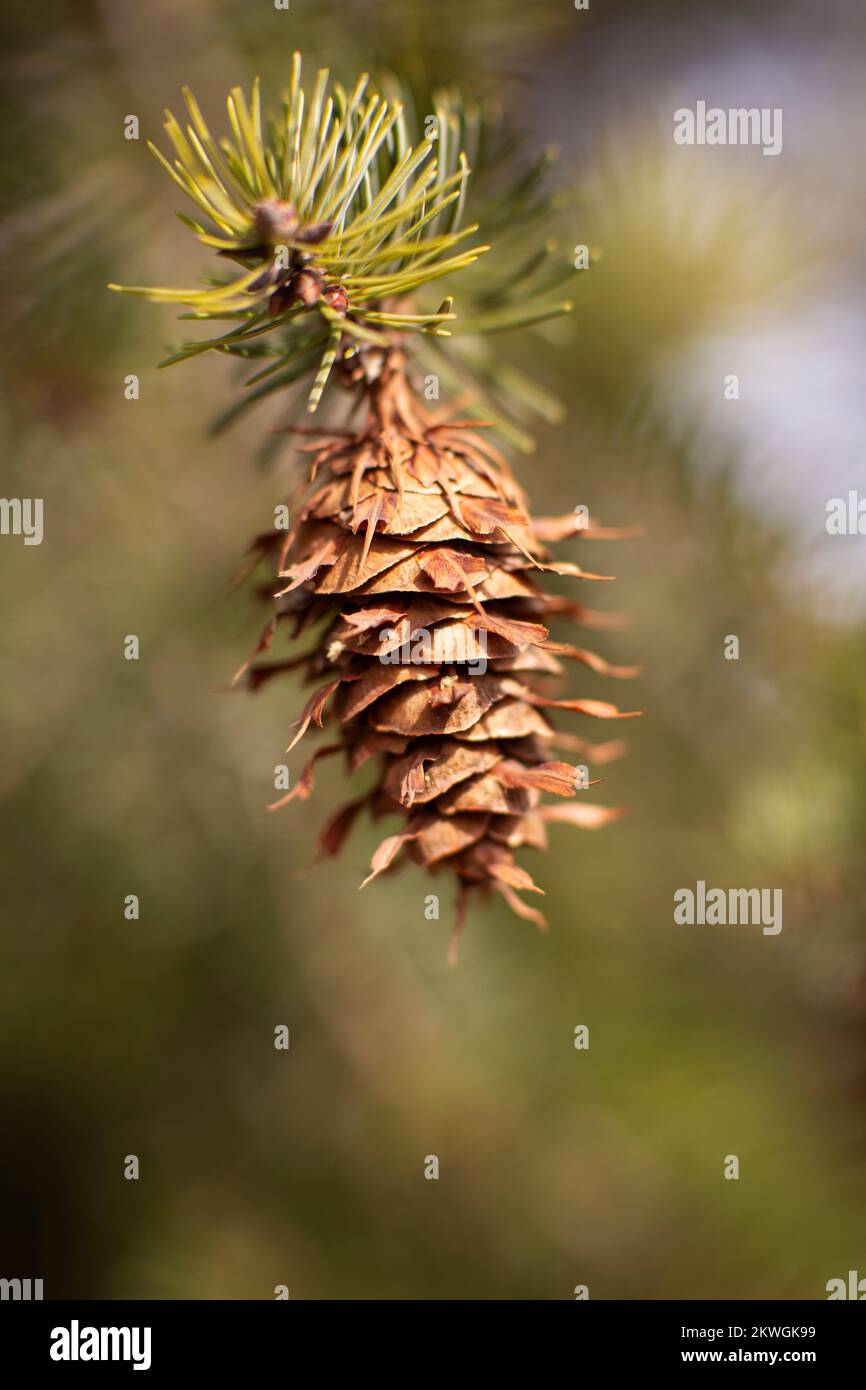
[155, 1037]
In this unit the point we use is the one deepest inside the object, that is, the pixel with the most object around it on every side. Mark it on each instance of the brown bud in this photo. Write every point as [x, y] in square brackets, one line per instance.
[337, 298]
[314, 233]
[276, 221]
[282, 298]
[269, 276]
[308, 286]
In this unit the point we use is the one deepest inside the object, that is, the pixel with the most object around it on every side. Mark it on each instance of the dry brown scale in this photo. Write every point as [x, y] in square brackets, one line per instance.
[414, 556]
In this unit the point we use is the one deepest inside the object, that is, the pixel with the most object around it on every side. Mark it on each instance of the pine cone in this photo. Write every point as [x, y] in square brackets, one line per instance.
[413, 559]
[415, 548]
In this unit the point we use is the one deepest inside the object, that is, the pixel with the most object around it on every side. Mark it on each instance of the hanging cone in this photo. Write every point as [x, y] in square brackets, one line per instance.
[414, 565]
[414, 546]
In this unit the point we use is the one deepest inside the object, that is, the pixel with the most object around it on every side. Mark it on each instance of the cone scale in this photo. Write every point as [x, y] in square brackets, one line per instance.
[415, 557]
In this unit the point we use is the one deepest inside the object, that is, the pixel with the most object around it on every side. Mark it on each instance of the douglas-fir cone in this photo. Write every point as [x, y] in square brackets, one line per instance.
[413, 556]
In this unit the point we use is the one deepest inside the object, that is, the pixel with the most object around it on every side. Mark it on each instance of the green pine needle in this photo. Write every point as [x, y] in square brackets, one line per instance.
[338, 223]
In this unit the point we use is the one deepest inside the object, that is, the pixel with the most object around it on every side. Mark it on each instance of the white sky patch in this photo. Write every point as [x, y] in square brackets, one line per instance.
[798, 430]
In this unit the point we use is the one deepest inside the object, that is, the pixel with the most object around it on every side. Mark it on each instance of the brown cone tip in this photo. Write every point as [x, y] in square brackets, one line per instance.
[414, 557]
